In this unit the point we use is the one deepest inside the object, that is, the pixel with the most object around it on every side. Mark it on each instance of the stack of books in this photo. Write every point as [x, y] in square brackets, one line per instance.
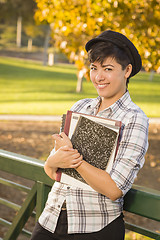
[95, 138]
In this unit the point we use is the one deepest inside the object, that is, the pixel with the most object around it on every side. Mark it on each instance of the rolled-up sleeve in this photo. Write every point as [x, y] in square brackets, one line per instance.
[131, 151]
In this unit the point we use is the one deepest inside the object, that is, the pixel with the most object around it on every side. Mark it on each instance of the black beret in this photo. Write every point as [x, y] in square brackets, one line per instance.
[121, 41]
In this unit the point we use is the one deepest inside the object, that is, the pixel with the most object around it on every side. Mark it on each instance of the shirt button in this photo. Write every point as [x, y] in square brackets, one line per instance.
[68, 188]
[59, 206]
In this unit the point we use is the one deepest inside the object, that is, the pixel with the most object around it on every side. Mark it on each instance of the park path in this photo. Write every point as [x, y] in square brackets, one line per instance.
[48, 118]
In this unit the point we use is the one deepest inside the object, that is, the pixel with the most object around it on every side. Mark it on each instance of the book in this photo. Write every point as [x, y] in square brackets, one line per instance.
[95, 138]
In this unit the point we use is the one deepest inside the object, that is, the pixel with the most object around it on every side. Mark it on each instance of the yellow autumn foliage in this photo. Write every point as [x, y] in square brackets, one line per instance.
[74, 22]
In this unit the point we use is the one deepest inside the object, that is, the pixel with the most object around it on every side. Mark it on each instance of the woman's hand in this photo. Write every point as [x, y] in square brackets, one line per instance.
[61, 140]
[64, 157]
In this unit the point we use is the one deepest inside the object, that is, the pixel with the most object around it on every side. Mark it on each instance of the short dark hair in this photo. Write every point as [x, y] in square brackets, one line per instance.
[102, 50]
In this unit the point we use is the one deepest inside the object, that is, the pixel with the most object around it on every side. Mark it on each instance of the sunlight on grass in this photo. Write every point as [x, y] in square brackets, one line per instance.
[27, 87]
[135, 236]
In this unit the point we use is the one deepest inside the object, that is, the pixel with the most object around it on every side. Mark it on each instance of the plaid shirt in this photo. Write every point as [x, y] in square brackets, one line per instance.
[90, 211]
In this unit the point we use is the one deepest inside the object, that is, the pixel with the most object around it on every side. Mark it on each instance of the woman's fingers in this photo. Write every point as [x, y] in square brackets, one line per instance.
[77, 164]
[63, 135]
[67, 148]
[56, 136]
[67, 157]
[61, 140]
[60, 136]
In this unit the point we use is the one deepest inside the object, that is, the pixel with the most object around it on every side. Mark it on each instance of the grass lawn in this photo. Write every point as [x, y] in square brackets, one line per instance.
[27, 87]
[135, 236]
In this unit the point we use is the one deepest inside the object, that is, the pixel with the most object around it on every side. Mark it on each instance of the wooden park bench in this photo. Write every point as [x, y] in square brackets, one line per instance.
[139, 200]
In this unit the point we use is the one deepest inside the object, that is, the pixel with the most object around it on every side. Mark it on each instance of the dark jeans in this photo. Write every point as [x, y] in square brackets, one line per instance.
[113, 231]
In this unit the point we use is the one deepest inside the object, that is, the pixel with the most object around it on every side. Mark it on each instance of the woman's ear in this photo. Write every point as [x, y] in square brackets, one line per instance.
[128, 70]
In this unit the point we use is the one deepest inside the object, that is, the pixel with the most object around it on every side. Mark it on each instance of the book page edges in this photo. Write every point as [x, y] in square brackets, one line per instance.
[106, 120]
[74, 182]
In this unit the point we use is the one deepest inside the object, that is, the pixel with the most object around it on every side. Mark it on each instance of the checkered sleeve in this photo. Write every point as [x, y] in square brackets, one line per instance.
[132, 148]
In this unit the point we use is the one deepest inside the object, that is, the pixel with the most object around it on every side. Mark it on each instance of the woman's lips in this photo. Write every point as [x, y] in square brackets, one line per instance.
[101, 86]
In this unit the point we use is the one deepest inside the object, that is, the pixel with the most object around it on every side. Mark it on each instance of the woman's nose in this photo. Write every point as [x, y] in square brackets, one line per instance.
[99, 76]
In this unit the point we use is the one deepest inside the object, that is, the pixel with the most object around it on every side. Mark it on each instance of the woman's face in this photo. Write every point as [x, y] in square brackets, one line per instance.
[109, 79]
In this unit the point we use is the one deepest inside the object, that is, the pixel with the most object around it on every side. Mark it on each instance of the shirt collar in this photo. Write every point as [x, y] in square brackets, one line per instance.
[122, 102]
[95, 103]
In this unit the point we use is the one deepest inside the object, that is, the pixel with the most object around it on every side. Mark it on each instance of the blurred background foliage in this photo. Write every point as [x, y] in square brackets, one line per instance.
[66, 25]
[74, 22]
[13, 12]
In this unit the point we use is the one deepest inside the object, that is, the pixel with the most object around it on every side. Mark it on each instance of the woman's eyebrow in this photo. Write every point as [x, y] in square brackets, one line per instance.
[93, 65]
[107, 65]
[104, 65]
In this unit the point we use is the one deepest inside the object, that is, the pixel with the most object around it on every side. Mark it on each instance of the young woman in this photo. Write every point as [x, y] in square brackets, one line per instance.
[74, 213]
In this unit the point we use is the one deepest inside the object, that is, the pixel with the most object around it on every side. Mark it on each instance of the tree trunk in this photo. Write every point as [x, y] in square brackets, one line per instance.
[79, 81]
[81, 74]
[151, 76]
[51, 59]
[79, 85]
[19, 31]
[46, 44]
[30, 44]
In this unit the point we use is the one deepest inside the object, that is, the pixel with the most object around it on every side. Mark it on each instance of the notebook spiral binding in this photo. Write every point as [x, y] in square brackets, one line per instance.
[63, 122]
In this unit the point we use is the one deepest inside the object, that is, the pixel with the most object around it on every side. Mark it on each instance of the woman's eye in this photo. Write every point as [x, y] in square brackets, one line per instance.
[92, 68]
[108, 69]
